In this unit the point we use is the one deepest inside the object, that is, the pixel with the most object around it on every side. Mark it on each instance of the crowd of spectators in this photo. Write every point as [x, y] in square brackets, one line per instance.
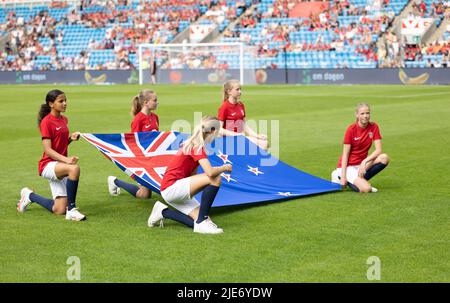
[373, 19]
[125, 28]
[222, 10]
[397, 52]
[192, 59]
[23, 40]
[438, 9]
[435, 54]
[394, 53]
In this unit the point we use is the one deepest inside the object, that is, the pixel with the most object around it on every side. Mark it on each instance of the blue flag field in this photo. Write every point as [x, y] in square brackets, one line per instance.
[256, 177]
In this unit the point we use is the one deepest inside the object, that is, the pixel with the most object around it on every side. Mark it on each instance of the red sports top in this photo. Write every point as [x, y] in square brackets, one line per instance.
[55, 129]
[182, 166]
[145, 123]
[232, 115]
[360, 140]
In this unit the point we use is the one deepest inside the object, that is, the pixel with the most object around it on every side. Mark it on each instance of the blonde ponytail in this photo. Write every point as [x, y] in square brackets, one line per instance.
[208, 126]
[135, 106]
[138, 101]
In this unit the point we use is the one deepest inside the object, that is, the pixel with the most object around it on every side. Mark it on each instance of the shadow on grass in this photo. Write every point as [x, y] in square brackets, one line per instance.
[114, 205]
[235, 208]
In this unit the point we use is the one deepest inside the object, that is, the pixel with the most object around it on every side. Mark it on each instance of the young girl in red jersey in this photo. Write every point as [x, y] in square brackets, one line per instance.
[232, 115]
[181, 182]
[61, 171]
[144, 120]
[356, 167]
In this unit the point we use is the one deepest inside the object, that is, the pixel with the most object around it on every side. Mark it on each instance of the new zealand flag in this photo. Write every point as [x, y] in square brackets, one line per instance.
[256, 177]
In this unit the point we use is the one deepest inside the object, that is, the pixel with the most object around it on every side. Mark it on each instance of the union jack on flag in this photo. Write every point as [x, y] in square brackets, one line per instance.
[142, 156]
[145, 157]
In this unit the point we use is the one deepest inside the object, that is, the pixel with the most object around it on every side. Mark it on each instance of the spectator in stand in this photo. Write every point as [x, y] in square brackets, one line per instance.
[422, 8]
[73, 18]
[228, 33]
[440, 8]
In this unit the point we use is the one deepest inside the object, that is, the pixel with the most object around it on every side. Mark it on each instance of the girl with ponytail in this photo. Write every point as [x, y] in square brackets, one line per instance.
[142, 107]
[61, 171]
[181, 182]
[232, 115]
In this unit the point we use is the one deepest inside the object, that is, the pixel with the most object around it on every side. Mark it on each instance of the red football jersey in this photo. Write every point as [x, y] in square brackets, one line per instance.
[182, 166]
[232, 115]
[145, 123]
[55, 129]
[360, 140]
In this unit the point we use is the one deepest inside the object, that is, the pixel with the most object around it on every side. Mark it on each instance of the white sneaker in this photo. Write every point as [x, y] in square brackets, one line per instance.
[74, 215]
[207, 227]
[24, 199]
[374, 190]
[114, 190]
[156, 214]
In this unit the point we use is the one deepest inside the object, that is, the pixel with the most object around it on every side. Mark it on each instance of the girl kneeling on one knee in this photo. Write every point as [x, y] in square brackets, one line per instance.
[181, 182]
[61, 170]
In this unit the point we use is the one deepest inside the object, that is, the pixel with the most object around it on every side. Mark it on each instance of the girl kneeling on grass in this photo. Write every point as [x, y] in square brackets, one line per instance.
[232, 115]
[145, 120]
[61, 171]
[356, 167]
[181, 182]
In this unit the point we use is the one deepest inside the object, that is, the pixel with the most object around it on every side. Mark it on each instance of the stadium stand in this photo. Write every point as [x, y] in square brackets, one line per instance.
[341, 36]
[98, 34]
[435, 53]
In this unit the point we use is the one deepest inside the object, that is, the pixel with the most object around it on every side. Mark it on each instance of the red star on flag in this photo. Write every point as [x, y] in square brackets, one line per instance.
[224, 157]
[228, 177]
[254, 170]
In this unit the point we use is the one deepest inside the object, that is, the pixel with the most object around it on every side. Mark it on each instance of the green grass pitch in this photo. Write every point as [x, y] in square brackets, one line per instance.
[323, 238]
